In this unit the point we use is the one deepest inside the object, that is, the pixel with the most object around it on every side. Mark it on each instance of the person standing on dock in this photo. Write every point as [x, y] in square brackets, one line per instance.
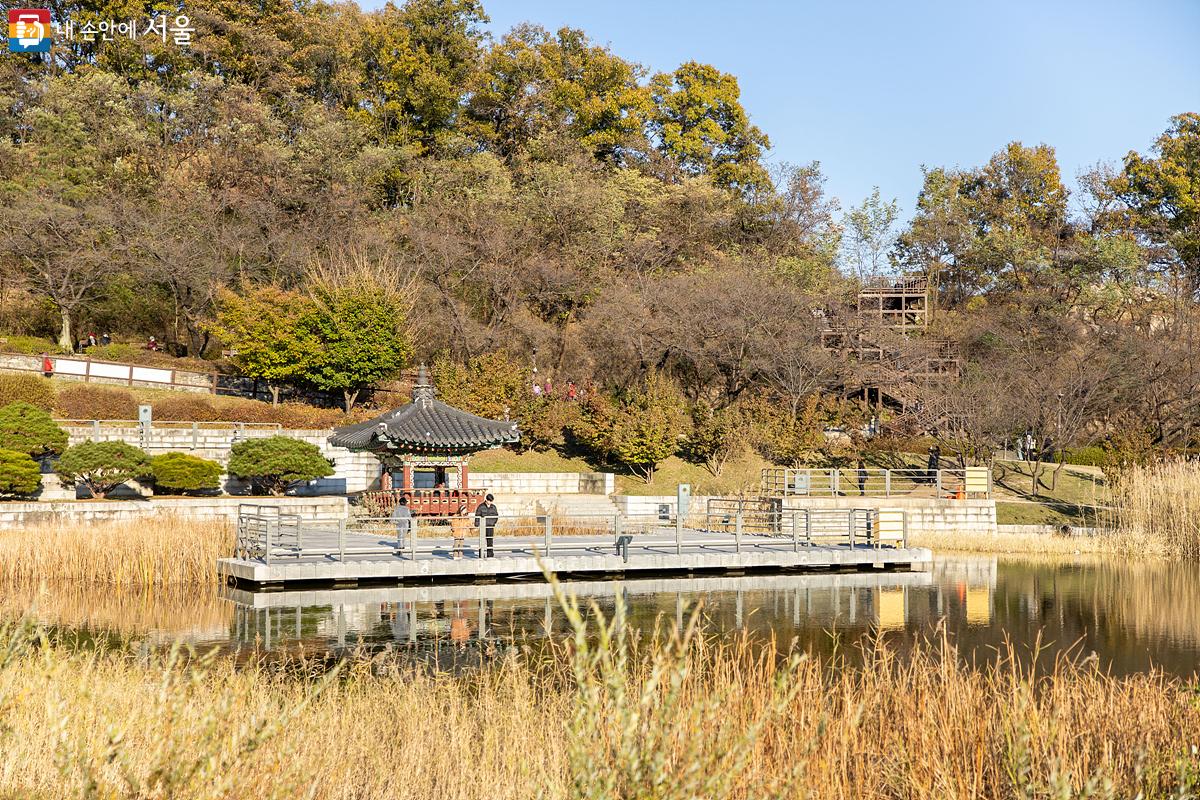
[486, 515]
[402, 519]
[459, 525]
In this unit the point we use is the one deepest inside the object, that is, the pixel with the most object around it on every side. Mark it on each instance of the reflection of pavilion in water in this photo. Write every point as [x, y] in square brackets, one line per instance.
[467, 616]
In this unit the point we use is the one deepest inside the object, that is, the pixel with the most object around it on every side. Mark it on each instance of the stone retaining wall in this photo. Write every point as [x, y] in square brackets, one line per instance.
[518, 483]
[19, 515]
[925, 514]
[353, 472]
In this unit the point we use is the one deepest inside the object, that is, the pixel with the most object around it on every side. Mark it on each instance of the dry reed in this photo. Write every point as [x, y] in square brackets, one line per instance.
[1023, 543]
[1156, 508]
[162, 551]
[666, 717]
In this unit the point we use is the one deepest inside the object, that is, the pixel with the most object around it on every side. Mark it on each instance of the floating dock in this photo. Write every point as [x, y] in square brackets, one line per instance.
[348, 559]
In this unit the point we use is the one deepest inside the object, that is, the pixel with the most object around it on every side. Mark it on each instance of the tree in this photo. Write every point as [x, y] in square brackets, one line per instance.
[60, 250]
[27, 429]
[267, 328]
[19, 474]
[639, 429]
[416, 63]
[1160, 199]
[1001, 228]
[699, 123]
[359, 326]
[533, 84]
[715, 436]
[278, 463]
[870, 235]
[182, 472]
[102, 466]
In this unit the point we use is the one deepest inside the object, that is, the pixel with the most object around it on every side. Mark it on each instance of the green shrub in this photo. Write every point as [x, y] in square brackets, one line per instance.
[181, 472]
[30, 430]
[86, 401]
[19, 474]
[1091, 456]
[25, 387]
[102, 466]
[277, 463]
[29, 345]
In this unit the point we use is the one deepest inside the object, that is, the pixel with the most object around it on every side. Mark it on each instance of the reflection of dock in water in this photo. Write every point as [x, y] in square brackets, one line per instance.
[457, 615]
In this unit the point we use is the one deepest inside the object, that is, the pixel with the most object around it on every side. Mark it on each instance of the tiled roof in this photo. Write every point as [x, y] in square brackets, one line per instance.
[426, 424]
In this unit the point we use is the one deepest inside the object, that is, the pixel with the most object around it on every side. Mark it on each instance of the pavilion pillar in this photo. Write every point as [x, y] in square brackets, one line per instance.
[406, 472]
[463, 483]
[385, 479]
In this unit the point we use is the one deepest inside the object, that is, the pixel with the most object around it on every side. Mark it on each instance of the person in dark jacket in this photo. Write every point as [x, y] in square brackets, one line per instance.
[861, 468]
[935, 462]
[486, 515]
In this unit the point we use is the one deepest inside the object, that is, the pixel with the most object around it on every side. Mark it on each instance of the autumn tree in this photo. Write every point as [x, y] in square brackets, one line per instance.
[1160, 201]
[267, 329]
[700, 124]
[639, 429]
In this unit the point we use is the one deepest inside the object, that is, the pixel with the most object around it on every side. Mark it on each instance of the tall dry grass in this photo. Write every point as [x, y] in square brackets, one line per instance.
[1022, 543]
[162, 551]
[1156, 508]
[605, 717]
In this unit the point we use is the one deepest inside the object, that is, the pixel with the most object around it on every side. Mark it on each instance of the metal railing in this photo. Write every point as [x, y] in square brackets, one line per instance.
[266, 534]
[972, 482]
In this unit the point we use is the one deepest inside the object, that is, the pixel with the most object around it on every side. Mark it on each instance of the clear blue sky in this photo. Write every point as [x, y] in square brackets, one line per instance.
[873, 90]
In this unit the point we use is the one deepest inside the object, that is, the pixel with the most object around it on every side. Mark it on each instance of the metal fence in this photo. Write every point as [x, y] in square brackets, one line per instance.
[972, 482]
[265, 533]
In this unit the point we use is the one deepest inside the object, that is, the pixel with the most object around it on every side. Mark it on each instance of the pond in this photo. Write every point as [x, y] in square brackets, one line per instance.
[1132, 615]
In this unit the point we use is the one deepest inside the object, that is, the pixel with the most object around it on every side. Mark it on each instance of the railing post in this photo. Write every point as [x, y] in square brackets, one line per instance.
[737, 533]
[850, 517]
[341, 540]
[617, 527]
[808, 525]
[267, 538]
[887, 483]
[795, 532]
[549, 533]
[833, 481]
[938, 488]
[95, 430]
[195, 434]
[481, 524]
[412, 538]
[678, 530]
[904, 526]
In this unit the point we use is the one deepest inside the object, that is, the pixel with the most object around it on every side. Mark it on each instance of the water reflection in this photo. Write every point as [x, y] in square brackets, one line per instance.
[1131, 615]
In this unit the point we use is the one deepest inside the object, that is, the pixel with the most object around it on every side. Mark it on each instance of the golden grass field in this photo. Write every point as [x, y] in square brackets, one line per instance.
[597, 718]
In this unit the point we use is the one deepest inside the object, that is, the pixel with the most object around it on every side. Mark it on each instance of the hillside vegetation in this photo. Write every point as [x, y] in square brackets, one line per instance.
[328, 196]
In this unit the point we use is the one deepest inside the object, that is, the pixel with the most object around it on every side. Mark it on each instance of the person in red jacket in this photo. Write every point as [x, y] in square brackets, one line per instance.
[47, 366]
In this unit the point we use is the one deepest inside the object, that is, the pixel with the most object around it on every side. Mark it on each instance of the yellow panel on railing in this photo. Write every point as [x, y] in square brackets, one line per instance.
[889, 524]
[977, 479]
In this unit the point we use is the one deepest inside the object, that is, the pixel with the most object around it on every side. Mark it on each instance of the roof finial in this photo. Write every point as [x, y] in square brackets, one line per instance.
[423, 389]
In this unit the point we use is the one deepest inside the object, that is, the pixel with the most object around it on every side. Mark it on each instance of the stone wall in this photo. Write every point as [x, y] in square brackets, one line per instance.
[353, 472]
[19, 515]
[925, 514]
[82, 368]
[522, 483]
